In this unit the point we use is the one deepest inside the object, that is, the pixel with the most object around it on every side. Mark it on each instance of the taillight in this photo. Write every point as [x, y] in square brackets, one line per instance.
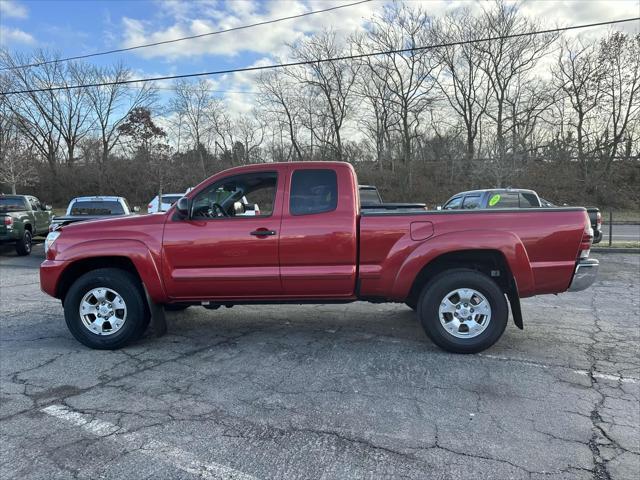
[585, 243]
[8, 221]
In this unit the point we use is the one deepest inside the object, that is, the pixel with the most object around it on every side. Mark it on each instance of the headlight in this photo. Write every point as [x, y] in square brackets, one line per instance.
[49, 240]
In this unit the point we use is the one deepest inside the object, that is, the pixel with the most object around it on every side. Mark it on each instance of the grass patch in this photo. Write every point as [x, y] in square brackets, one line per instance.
[605, 244]
[621, 215]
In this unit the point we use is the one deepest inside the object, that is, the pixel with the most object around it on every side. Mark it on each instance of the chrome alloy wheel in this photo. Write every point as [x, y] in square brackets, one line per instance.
[464, 313]
[103, 311]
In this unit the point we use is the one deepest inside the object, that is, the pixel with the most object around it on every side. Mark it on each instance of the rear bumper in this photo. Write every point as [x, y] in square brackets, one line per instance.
[9, 236]
[584, 275]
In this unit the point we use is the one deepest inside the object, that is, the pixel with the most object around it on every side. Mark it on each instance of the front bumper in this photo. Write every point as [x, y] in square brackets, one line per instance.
[585, 274]
[50, 272]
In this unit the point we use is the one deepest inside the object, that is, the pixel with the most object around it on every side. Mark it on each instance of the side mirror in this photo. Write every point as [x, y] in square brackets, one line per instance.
[183, 207]
[48, 208]
[136, 209]
[439, 207]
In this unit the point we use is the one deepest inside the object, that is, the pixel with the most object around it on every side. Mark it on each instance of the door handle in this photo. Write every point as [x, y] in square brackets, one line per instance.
[263, 232]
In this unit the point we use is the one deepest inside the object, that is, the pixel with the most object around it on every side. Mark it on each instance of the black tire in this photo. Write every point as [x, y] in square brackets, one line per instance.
[23, 246]
[436, 290]
[176, 307]
[128, 287]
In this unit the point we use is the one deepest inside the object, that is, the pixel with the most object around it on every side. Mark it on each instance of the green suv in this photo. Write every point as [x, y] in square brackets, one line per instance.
[22, 217]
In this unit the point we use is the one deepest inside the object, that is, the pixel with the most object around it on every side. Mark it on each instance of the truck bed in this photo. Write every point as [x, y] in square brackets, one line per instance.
[388, 238]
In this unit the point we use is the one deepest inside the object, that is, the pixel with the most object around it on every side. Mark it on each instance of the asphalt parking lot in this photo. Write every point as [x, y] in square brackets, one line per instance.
[331, 391]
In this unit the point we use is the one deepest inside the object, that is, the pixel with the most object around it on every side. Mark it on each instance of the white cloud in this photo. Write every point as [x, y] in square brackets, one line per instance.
[9, 36]
[264, 39]
[12, 9]
[270, 41]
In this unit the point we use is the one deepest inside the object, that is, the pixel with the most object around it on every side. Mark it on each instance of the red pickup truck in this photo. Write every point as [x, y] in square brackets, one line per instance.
[309, 242]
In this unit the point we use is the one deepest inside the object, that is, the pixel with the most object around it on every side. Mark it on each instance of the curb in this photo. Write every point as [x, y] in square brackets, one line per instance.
[615, 250]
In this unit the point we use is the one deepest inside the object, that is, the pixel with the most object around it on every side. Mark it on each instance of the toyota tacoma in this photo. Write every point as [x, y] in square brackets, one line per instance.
[311, 243]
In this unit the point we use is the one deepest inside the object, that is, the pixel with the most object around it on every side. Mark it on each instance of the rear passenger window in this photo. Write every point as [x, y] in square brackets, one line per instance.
[471, 201]
[313, 191]
[504, 200]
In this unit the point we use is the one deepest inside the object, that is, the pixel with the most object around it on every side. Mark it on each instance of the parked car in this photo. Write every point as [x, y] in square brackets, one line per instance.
[81, 209]
[23, 217]
[514, 198]
[370, 199]
[168, 199]
[311, 242]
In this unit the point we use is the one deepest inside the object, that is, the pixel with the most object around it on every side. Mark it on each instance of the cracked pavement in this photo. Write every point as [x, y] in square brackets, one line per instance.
[323, 391]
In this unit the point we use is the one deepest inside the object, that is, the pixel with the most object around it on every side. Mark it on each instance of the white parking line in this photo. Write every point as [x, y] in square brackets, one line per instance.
[161, 451]
[602, 376]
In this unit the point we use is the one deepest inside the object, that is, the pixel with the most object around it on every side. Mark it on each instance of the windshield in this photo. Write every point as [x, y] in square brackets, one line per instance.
[12, 204]
[97, 208]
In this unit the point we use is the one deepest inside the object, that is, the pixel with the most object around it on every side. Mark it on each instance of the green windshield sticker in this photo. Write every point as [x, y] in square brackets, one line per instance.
[494, 200]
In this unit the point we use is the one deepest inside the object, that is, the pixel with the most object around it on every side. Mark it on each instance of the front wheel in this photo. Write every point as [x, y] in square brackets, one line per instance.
[463, 311]
[105, 309]
[23, 246]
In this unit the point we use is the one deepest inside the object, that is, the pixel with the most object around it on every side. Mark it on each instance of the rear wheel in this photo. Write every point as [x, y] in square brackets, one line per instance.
[105, 309]
[23, 246]
[463, 311]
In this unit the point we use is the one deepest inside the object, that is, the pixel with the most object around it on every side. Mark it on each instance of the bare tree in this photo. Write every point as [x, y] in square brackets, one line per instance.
[278, 102]
[409, 76]
[377, 118]
[250, 134]
[463, 82]
[16, 162]
[34, 111]
[577, 77]
[506, 60]
[619, 57]
[197, 109]
[333, 81]
[111, 104]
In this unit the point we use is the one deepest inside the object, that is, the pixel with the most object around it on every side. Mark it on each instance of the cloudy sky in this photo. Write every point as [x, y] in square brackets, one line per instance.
[80, 27]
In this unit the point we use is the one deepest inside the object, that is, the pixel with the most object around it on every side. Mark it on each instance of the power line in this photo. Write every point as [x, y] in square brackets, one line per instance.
[321, 60]
[203, 90]
[191, 37]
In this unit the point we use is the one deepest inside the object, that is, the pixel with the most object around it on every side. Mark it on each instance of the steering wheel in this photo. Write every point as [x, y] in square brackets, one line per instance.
[216, 207]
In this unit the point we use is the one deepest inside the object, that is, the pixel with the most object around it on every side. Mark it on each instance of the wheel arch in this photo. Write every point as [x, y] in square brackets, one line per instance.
[85, 265]
[510, 270]
[87, 256]
[491, 262]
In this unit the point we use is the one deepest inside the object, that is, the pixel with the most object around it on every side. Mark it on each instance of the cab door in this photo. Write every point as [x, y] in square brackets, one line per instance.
[319, 233]
[221, 253]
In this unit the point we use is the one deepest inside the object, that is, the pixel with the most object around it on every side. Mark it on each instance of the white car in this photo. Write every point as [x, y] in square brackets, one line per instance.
[168, 199]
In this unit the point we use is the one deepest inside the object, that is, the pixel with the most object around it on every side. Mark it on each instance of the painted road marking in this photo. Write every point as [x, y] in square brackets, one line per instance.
[602, 376]
[160, 451]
